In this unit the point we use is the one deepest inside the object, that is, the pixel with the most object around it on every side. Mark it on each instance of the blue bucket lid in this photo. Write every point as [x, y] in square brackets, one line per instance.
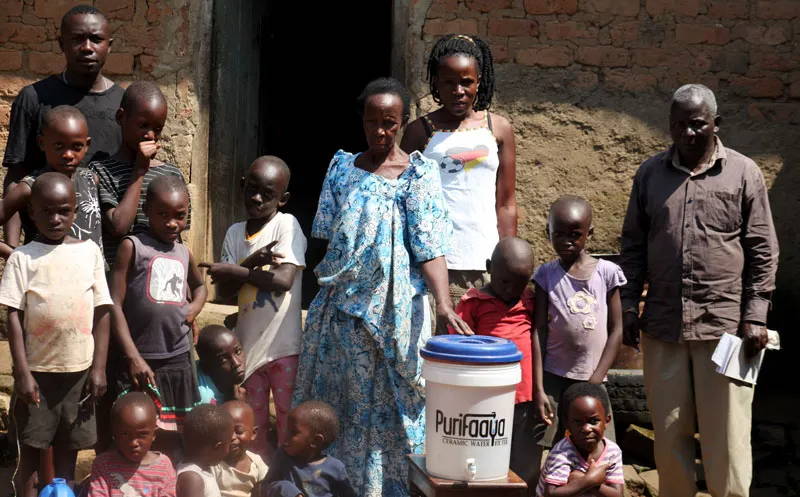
[477, 349]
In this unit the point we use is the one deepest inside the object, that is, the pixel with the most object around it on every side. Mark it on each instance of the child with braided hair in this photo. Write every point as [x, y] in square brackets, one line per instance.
[475, 152]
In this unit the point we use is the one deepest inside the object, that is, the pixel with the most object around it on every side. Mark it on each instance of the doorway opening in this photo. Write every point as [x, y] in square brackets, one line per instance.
[313, 66]
[285, 76]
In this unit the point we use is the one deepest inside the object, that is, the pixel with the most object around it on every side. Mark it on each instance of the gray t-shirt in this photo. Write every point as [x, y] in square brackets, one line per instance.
[157, 297]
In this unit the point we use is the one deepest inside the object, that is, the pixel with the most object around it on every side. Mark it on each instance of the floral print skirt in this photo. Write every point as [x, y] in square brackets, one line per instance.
[381, 413]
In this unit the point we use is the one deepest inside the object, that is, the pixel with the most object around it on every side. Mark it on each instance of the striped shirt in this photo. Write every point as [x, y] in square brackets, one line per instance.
[115, 177]
[115, 476]
[564, 458]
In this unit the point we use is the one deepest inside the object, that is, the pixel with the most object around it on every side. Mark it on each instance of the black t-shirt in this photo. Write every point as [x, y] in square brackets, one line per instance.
[100, 110]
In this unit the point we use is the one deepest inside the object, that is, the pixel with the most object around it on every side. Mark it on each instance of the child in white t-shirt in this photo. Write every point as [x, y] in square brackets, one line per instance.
[58, 327]
[262, 264]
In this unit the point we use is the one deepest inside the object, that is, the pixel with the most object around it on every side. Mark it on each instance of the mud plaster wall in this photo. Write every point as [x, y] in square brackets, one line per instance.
[164, 41]
[586, 84]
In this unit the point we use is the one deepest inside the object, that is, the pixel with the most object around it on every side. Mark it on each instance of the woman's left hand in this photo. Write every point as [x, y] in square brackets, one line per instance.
[446, 316]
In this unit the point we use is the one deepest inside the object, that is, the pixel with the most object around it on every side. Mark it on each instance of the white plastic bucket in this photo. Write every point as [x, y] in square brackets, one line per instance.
[469, 406]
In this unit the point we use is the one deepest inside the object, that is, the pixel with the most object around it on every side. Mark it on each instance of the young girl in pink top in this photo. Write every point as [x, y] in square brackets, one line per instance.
[578, 315]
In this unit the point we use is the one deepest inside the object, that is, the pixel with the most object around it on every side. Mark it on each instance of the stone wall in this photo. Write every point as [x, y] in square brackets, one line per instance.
[160, 41]
[586, 84]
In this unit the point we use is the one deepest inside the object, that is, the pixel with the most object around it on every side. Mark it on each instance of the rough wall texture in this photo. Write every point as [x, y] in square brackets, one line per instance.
[586, 84]
[160, 41]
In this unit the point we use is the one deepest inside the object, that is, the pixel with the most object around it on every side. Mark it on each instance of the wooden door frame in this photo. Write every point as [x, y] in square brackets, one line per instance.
[234, 103]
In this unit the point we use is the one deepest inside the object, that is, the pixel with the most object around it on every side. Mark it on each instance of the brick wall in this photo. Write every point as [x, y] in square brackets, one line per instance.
[748, 47]
[159, 41]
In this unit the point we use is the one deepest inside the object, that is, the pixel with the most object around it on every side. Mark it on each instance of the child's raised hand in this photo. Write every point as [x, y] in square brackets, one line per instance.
[222, 272]
[147, 150]
[27, 389]
[240, 393]
[263, 256]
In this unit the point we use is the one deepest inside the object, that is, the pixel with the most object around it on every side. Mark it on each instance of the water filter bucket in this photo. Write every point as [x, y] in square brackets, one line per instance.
[470, 382]
[57, 488]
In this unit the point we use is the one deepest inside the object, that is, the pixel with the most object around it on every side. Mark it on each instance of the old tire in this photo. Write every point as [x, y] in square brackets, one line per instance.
[628, 400]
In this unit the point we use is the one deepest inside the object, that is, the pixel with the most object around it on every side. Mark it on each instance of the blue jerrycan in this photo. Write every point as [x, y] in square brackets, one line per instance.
[57, 488]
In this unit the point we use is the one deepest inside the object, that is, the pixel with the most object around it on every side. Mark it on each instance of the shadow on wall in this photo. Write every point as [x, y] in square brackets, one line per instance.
[590, 142]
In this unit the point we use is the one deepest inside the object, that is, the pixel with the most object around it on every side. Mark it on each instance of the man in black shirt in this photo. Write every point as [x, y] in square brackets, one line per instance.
[85, 39]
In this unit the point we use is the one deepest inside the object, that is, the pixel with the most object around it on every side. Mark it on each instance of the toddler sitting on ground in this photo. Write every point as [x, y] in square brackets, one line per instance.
[300, 468]
[131, 468]
[241, 470]
[207, 434]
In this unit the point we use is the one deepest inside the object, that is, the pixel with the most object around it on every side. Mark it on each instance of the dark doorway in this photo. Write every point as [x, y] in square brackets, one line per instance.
[315, 59]
[284, 79]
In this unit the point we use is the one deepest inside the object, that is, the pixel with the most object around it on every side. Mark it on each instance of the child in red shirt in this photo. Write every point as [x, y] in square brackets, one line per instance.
[504, 308]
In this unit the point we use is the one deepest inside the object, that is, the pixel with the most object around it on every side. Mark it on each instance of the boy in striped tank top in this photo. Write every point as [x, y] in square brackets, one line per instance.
[583, 463]
[125, 176]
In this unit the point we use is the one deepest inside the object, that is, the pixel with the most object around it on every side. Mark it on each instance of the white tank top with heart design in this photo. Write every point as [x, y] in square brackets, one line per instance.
[468, 162]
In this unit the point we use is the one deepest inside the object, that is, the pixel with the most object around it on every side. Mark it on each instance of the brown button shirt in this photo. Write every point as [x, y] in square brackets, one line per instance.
[704, 243]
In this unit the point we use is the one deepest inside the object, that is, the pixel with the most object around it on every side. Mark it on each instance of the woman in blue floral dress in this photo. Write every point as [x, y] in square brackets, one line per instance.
[384, 217]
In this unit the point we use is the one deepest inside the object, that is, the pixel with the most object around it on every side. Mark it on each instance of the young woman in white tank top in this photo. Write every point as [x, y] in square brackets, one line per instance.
[476, 156]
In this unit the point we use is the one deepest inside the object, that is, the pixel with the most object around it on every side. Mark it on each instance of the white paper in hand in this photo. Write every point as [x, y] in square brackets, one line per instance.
[731, 361]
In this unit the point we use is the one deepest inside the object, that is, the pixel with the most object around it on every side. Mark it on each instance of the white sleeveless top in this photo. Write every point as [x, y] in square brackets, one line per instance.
[210, 487]
[468, 163]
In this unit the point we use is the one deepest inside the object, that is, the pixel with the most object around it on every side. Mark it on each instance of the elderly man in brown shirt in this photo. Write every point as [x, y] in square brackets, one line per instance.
[699, 231]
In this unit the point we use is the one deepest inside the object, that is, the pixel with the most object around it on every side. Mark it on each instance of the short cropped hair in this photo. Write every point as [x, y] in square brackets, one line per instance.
[61, 113]
[165, 184]
[582, 389]
[141, 91]
[132, 399]
[273, 161]
[690, 92]
[572, 200]
[205, 425]
[207, 340]
[80, 10]
[44, 182]
[321, 418]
